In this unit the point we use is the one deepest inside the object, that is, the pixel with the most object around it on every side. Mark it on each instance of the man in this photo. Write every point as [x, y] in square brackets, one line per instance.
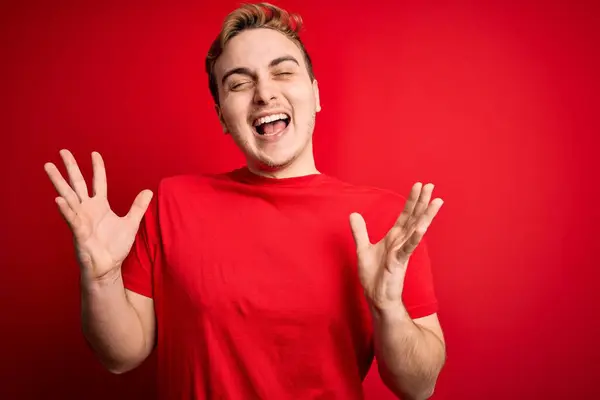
[262, 282]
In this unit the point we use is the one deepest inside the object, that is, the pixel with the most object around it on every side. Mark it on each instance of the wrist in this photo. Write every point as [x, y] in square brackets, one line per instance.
[390, 314]
[104, 281]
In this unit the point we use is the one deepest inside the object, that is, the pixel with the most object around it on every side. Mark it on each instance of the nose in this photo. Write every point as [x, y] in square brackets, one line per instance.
[265, 92]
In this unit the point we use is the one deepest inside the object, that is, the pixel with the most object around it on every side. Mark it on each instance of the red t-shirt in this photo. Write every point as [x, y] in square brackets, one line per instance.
[255, 285]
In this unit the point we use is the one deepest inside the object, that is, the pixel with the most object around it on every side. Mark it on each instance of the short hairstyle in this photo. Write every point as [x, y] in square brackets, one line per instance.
[254, 16]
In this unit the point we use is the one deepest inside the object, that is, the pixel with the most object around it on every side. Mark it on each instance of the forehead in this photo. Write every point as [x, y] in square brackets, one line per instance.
[255, 49]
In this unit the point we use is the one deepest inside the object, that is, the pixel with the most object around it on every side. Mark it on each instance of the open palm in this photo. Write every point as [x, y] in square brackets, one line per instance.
[382, 266]
[102, 238]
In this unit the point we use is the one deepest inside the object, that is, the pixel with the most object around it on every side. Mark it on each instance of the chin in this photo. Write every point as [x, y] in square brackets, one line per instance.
[273, 162]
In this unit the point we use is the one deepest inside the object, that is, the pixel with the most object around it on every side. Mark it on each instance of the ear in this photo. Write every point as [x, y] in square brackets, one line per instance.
[221, 120]
[315, 85]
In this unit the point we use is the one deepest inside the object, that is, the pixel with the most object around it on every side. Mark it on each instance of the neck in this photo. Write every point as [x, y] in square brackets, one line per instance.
[302, 165]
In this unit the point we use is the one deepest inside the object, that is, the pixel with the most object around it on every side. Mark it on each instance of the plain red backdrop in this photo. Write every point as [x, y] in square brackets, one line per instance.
[494, 103]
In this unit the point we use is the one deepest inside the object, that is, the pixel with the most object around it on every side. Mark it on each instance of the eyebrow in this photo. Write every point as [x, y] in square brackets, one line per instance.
[246, 71]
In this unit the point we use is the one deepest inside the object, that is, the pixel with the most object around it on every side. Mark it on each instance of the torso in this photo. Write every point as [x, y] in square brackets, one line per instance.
[258, 295]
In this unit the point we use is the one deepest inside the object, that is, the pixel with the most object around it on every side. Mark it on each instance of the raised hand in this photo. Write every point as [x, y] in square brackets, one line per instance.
[102, 238]
[382, 266]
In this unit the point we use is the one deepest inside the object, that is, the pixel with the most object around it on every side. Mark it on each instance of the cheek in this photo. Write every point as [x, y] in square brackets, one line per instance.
[302, 100]
[234, 111]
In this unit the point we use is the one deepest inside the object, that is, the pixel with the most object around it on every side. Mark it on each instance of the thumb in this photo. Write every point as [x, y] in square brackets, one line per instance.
[359, 232]
[139, 206]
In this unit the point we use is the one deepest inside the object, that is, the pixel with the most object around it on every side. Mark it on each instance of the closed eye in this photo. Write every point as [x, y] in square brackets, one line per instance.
[284, 74]
[239, 85]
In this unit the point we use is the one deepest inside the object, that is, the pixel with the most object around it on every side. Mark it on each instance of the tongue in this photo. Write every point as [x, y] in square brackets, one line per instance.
[271, 128]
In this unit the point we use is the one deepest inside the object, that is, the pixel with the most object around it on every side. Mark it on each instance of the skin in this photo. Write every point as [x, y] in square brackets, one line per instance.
[268, 78]
[410, 353]
[260, 71]
[117, 323]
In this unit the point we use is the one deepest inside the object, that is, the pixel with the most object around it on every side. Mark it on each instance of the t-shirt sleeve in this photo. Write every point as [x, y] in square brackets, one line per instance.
[138, 268]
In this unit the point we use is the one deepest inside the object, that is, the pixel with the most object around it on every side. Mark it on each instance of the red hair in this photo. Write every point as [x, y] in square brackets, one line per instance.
[254, 16]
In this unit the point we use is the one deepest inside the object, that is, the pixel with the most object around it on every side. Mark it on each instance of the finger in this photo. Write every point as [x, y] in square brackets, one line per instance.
[423, 202]
[359, 232]
[99, 182]
[66, 211]
[75, 177]
[61, 186]
[139, 206]
[420, 228]
[409, 206]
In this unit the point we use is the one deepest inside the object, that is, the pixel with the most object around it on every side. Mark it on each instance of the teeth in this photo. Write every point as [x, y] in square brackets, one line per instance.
[269, 118]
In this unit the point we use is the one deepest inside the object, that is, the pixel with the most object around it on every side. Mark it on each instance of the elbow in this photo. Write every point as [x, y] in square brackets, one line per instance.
[116, 363]
[426, 394]
[410, 394]
[119, 368]
[423, 395]
[120, 365]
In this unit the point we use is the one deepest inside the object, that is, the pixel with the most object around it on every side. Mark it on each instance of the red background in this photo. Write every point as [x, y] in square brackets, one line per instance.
[496, 104]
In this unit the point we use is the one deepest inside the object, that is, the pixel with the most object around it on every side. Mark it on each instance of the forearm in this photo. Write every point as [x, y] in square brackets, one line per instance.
[111, 325]
[409, 357]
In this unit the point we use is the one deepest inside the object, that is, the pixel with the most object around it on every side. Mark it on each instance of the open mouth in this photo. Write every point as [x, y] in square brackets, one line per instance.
[271, 124]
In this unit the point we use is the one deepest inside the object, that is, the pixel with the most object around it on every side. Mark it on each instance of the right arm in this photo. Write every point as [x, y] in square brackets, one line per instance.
[118, 324]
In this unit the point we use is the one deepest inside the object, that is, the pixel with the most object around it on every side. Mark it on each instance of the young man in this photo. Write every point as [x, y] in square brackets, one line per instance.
[262, 282]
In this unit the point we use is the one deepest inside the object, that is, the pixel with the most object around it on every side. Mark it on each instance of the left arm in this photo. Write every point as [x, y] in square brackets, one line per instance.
[410, 354]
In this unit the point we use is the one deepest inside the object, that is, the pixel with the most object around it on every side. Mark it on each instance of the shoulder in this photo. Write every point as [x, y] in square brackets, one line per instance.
[371, 197]
[187, 191]
[190, 183]
[380, 207]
